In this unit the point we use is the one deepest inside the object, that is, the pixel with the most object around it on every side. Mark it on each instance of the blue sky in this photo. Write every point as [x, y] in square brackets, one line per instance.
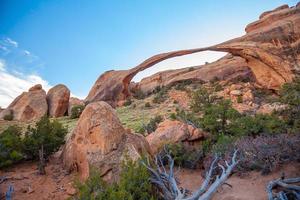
[73, 42]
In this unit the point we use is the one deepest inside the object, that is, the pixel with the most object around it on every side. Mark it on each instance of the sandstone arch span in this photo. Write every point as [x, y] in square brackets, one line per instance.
[270, 48]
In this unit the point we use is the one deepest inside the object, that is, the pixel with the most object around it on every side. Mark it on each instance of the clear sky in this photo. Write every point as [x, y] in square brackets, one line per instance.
[73, 42]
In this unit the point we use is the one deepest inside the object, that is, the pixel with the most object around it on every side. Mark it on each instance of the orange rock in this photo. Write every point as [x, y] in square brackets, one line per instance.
[58, 100]
[171, 132]
[29, 105]
[100, 141]
[73, 101]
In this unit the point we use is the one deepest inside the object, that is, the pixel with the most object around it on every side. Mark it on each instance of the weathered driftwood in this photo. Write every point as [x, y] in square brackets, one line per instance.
[287, 189]
[168, 185]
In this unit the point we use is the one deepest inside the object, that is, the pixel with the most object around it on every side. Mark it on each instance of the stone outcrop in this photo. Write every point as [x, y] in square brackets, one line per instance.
[270, 48]
[29, 105]
[73, 101]
[171, 132]
[58, 100]
[100, 141]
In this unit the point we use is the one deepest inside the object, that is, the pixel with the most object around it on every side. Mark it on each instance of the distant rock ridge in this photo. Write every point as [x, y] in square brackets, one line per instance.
[270, 49]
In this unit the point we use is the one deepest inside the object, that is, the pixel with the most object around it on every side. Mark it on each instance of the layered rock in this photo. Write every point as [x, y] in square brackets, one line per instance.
[100, 141]
[58, 100]
[29, 105]
[270, 48]
[171, 132]
[73, 101]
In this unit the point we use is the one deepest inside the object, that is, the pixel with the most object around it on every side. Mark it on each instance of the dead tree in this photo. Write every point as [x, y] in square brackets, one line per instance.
[168, 185]
[287, 189]
[42, 162]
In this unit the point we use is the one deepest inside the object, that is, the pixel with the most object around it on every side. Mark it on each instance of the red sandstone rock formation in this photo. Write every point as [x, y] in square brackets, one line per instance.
[270, 48]
[29, 105]
[58, 100]
[99, 140]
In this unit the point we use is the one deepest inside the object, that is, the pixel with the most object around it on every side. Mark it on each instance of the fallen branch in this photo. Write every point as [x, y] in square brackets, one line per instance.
[288, 189]
[168, 185]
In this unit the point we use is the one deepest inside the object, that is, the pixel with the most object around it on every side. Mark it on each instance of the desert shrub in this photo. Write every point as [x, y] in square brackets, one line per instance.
[147, 105]
[8, 117]
[290, 95]
[10, 146]
[223, 144]
[175, 102]
[181, 85]
[76, 111]
[161, 95]
[138, 94]
[46, 134]
[216, 118]
[240, 99]
[152, 125]
[256, 125]
[201, 99]
[184, 155]
[128, 102]
[173, 116]
[217, 87]
[134, 184]
[267, 152]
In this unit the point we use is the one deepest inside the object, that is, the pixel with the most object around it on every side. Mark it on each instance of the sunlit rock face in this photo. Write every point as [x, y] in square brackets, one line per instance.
[58, 100]
[99, 141]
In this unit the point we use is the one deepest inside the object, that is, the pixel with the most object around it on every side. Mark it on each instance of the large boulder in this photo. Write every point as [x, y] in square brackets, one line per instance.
[100, 141]
[172, 132]
[28, 106]
[58, 100]
[73, 101]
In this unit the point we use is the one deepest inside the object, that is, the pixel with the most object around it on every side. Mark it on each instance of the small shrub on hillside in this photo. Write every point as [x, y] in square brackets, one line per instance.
[134, 184]
[290, 95]
[173, 116]
[152, 125]
[201, 99]
[8, 117]
[147, 105]
[256, 125]
[182, 84]
[76, 111]
[240, 99]
[128, 102]
[139, 94]
[184, 155]
[160, 96]
[10, 146]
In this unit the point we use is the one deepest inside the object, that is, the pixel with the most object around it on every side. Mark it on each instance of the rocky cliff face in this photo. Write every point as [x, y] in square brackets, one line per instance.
[270, 48]
[58, 100]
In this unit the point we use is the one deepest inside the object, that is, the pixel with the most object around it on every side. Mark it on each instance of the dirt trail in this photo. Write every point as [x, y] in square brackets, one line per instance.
[251, 186]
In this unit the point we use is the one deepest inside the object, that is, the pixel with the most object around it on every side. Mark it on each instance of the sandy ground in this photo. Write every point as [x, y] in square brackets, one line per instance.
[250, 186]
[27, 184]
[57, 183]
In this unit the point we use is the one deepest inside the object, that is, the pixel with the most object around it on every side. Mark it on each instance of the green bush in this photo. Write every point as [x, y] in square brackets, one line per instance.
[151, 126]
[147, 105]
[134, 184]
[240, 99]
[290, 95]
[161, 95]
[47, 135]
[128, 102]
[10, 146]
[76, 111]
[216, 118]
[184, 155]
[173, 116]
[181, 85]
[138, 94]
[8, 117]
[201, 99]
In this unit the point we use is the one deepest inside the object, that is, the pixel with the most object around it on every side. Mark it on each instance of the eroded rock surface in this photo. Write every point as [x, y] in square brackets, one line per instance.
[100, 141]
[29, 105]
[171, 132]
[58, 100]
